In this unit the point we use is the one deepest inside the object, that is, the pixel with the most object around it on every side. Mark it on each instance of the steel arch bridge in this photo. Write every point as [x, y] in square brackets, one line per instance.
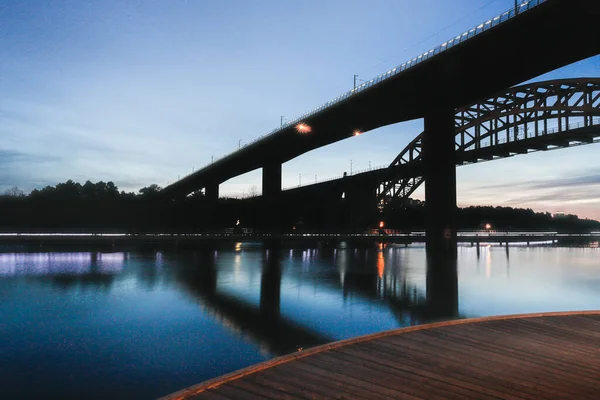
[533, 117]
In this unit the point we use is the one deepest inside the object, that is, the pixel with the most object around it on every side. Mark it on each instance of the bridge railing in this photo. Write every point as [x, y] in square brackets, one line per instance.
[333, 178]
[505, 16]
[521, 135]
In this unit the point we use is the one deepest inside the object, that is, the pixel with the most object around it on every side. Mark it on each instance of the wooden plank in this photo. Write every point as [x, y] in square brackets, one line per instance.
[533, 360]
[289, 380]
[532, 357]
[559, 331]
[572, 342]
[575, 338]
[237, 393]
[402, 383]
[532, 346]
[264, 391]
[502, 346]
[364, 381]
[353, 385]
[537, 343]
[482, 356]
[527, 372]
[209, 395]
[422, 376]
[479, 366]
[460, 371]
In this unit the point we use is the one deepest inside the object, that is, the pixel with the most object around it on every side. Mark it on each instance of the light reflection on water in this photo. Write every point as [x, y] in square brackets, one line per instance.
[166, 320]
[12, 264]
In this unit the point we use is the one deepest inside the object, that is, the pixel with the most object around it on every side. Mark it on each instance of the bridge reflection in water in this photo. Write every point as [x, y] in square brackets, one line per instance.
[374, 276]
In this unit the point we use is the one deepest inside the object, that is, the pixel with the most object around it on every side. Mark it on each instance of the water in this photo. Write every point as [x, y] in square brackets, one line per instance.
[100, 325]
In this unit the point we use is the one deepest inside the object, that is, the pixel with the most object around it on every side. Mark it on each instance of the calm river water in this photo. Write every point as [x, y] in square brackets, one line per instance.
[138, 325]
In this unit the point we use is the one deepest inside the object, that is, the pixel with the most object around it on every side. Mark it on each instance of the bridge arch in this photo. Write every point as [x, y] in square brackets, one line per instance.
[533, 117]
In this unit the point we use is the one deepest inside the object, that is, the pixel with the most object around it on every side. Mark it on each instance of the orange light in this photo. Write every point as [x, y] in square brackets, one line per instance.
[488, 226]
[380, 264]
[303, 128]
[381, 224]
[357, 132]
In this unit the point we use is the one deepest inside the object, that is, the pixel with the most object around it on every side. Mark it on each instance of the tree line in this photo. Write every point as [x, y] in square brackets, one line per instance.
[70, 190]
[101, 206]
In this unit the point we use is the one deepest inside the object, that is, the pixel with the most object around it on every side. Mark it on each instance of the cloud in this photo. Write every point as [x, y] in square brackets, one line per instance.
[550, 183]
[15, 167]
[569, 182]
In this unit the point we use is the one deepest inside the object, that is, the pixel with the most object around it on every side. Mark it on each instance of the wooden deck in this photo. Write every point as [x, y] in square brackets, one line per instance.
[535, 356]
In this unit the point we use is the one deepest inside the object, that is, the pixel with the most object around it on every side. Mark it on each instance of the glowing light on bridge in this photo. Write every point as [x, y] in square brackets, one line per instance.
[488, 226]
[357, 133]
[381, 224]
[303, 128]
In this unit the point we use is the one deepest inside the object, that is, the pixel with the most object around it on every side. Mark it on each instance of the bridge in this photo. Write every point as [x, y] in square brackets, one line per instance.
[533, 38]
[541, 116]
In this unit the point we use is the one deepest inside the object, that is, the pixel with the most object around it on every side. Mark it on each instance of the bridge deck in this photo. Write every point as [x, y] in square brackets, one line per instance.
[535, 356]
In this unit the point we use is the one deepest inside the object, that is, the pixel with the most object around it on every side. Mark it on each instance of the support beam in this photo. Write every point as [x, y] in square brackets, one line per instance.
[440, 181]
[271, 181]
[360, 205]
[271, 193]
[211, 192]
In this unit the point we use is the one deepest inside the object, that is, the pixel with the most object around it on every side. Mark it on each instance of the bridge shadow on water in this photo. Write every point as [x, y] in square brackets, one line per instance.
[362, 277]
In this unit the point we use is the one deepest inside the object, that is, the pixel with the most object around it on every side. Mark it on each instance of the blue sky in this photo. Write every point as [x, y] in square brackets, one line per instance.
[141, 92]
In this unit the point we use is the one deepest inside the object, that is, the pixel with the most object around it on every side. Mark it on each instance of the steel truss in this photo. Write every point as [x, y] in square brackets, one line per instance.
[535, 117]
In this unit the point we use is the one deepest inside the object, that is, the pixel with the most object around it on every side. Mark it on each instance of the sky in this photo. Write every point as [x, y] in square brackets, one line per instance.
[142, 92]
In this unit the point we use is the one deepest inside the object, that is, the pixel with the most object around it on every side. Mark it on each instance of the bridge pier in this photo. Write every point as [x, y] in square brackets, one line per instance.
[211, 192]
[271, 191]
[440, 181]
[360, 206]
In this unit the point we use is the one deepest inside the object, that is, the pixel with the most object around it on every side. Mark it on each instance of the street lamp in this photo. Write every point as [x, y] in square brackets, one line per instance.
[281, 120]
[240, 144]
[350, 167]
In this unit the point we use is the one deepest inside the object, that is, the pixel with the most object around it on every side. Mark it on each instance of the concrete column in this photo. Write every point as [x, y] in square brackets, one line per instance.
[211, 192]
[271, 191]
[440, 181]
[271, 181]
[360, 205]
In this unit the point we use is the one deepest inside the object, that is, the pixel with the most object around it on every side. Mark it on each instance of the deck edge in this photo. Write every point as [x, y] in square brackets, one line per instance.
[220, 380]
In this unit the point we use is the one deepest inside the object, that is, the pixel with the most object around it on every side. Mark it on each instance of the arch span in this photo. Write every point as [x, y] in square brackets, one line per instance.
[534, 117]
